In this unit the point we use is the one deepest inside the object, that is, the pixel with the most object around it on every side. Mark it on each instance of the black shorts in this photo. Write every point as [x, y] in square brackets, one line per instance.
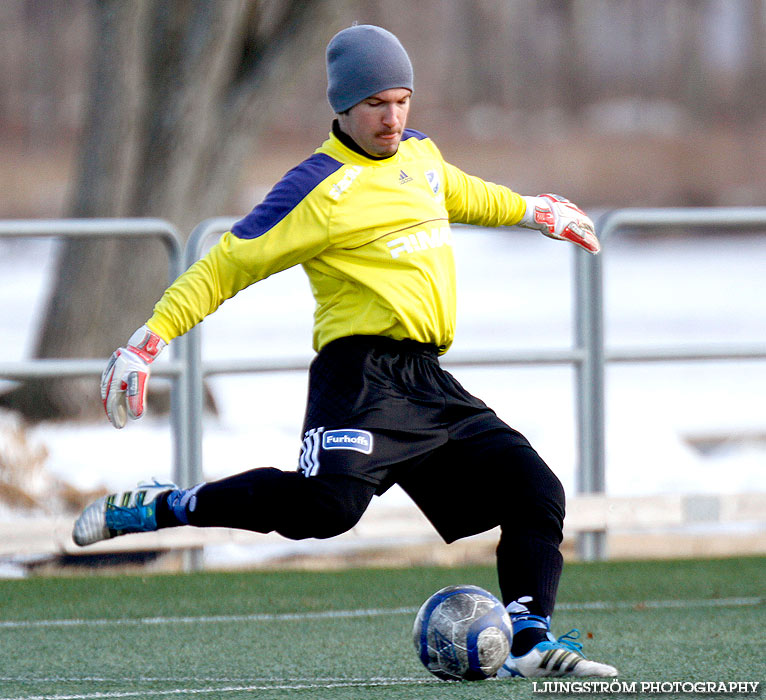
[376, 407]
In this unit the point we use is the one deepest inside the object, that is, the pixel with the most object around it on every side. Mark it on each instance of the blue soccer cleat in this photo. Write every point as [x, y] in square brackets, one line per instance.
[120, 514]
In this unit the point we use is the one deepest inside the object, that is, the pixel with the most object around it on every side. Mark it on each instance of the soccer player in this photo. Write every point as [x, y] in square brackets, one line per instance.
[368, 217]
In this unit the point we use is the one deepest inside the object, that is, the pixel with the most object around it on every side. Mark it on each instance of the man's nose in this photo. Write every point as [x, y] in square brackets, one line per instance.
[390, 116]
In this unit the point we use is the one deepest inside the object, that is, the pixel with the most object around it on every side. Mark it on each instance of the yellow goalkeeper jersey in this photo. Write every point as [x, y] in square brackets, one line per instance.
[373, 236]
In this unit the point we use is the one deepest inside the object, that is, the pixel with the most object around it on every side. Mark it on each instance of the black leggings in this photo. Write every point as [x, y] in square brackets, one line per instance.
[271, 500]
[464, 487]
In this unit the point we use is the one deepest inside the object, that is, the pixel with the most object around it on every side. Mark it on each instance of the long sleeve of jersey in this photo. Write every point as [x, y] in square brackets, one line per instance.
[471, 200]
[247, 254]
[372, 235]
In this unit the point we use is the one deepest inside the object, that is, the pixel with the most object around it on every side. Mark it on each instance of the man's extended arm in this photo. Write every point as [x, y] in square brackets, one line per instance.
[471, 200]
[287, 228]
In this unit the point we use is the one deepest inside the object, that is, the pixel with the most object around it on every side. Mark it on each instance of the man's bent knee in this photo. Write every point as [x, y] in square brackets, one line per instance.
[326, 506]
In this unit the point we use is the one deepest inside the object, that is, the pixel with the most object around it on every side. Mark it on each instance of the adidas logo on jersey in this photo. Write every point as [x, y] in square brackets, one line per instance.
[404, 178]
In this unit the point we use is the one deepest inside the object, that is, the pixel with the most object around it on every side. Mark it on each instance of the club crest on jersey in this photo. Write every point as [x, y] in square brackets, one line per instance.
[433, 180]
[347, 439]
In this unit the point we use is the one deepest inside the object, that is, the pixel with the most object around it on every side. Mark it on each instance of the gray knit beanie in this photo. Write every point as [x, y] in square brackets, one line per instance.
[364, 60]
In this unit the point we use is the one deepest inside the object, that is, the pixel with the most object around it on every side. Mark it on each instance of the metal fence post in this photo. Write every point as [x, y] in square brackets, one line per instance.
[590, 390]
[196, 391]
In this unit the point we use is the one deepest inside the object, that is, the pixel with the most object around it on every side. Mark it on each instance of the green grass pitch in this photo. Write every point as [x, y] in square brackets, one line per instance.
[347, 635]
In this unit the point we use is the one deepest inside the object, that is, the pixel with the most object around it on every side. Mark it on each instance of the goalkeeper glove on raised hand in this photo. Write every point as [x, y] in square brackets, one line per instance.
[559, 218]
[124, 381]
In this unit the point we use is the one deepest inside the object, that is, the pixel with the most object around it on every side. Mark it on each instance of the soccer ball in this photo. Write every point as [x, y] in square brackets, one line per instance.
[462, 633]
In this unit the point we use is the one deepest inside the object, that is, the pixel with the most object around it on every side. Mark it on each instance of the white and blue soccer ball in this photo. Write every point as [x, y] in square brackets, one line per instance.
[462, 633]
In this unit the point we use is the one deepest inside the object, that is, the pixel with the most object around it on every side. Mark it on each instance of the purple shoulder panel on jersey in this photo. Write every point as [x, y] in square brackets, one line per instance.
[286, 195]
[412, 134]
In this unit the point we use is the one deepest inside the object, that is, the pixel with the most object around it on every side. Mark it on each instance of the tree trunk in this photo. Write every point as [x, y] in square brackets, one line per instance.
[179, 95]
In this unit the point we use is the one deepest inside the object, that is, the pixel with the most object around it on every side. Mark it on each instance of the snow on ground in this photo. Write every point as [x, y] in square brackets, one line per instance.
[692, 427]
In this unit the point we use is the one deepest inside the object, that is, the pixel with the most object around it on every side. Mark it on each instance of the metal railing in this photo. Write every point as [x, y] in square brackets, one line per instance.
[146, 228]
[592, 390]
[588, 355]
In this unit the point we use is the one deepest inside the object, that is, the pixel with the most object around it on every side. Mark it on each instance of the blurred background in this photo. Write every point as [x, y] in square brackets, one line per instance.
[186, 109]
[618, 103]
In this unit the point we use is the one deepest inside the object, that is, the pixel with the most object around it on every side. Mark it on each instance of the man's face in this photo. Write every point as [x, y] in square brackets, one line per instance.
[377, 123]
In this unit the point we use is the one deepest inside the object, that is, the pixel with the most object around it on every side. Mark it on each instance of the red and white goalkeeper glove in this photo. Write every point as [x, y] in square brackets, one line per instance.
[559, 218]
[124, 381]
